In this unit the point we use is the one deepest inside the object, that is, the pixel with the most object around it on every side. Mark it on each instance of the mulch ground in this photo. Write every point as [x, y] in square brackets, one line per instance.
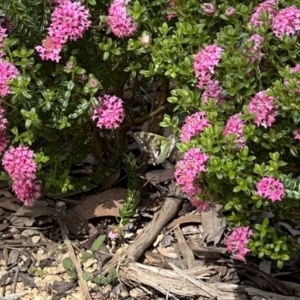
[168, 251]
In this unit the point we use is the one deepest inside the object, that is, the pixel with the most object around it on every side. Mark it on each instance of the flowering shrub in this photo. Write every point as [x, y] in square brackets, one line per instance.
[229, 86]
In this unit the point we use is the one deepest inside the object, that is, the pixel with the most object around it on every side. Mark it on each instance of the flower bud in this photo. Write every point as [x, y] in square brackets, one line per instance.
[146, 40]
[229, 11]
[209, 9]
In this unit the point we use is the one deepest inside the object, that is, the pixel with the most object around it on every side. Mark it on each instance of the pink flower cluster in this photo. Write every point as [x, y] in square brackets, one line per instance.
[235, 126]
[187, 171]
[270, 188]
[213, 90]
[287, 22]
[263, 106]
[255, 50]
[3, 35]
[8, 71]
[110, 113]
[237, 241]
[119, 21]
[69, 20]
[20, 166]
[205, 62]
[268, 6]
[194, 124]
[204, 65]
[283, 22]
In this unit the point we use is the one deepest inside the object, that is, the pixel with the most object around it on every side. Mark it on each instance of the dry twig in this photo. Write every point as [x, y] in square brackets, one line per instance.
[64, 232]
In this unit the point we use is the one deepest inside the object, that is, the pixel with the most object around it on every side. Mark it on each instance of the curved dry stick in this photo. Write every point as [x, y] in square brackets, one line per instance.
[146, 238]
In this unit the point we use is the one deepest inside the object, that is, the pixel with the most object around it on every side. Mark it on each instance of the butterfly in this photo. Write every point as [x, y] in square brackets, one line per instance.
[157, 146]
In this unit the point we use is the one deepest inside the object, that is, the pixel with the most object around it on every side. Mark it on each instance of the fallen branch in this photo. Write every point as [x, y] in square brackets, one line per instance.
[175, 284]
[148, 235]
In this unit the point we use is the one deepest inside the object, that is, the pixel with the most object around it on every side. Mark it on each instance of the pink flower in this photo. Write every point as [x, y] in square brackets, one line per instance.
[270, 188]
[205, 62]
[187, 170]
[20, 166]
[194, 125]
[287, 22]
[213, 90]
[50, 50]
[119, 21]
[110, 113]
[268, 6]
[255, 49]
[235, 126]
[297, 134]
[69, 20]
[27, 191]
[113, 235]
[265, 109]
[8, 72]
[237, 241]
[18, 163]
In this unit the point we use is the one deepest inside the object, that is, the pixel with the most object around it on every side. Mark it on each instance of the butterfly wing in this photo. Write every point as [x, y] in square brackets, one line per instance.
[157, 146]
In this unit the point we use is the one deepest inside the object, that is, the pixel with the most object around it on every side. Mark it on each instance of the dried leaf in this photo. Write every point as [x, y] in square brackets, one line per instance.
[107, 203]
[8, 204]
[13, 257]
[39, 209]
[157, 176]
[21, 221]
[213, 226]
[61, 286]
[6, 194]
[206, 252]
[3, 226]
[27, 280]
[184, 220]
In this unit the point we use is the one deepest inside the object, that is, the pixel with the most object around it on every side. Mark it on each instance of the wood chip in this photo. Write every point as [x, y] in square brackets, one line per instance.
[185, 250]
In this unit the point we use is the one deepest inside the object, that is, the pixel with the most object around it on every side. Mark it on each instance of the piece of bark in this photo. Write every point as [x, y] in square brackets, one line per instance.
[170, 283]
[185, 250]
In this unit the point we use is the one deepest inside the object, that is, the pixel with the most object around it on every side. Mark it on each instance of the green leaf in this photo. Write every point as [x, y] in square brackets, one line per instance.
[279, 264]
[285, 257]
[67, 263]
[86, 276]
[86, 256]
[98, 243]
